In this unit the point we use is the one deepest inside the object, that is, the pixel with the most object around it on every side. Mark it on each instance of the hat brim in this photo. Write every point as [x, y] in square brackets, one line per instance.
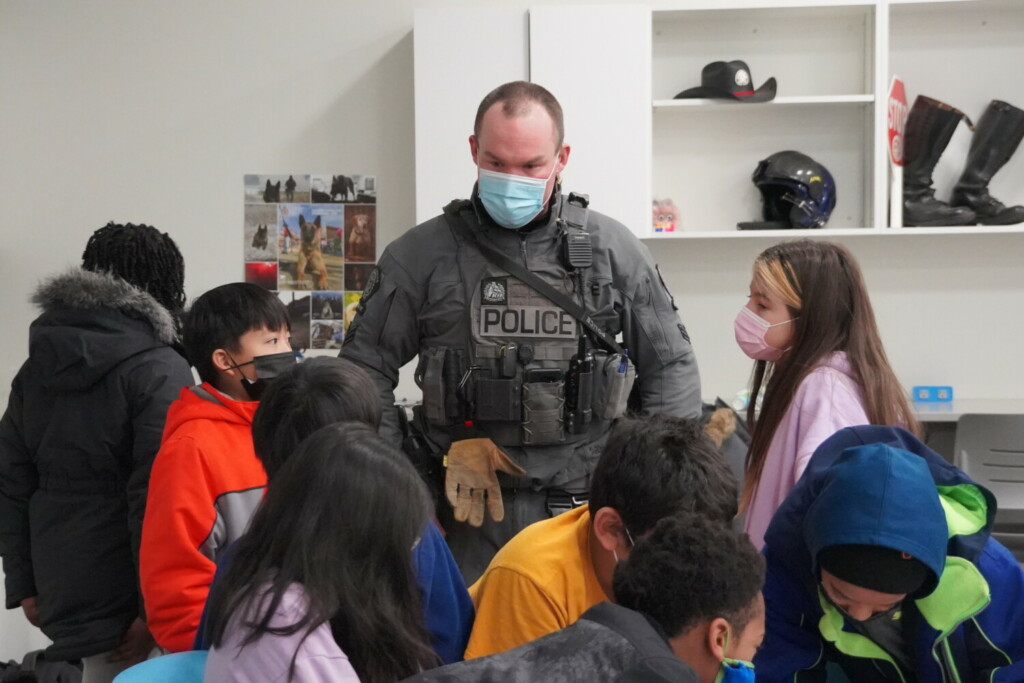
[766, 93]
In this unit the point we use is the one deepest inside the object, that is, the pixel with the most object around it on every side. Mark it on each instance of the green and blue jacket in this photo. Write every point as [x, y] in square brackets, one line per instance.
[881, 486]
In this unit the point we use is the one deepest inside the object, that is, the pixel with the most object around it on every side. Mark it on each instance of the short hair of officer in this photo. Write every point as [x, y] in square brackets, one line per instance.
[516, 98]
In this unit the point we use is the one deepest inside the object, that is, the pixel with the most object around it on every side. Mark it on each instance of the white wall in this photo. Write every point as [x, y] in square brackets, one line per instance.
[136, 110]
[949, 307]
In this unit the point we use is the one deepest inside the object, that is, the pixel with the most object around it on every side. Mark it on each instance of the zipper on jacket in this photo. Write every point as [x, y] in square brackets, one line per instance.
[943, 642]
[948, 652]
[522, 247]
[881, 668]
[812, 667]
[939, 663]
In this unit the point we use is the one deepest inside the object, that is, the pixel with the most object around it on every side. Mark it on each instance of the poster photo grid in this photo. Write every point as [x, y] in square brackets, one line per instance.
[312, 239]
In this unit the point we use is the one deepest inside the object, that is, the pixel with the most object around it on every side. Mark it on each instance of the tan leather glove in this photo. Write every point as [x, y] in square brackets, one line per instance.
[471, 476]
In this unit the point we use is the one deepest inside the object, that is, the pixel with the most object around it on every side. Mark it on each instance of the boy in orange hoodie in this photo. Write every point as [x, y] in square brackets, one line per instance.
[206, 481]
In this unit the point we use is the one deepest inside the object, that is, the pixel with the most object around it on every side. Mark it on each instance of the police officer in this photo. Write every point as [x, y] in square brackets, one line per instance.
[514, 301]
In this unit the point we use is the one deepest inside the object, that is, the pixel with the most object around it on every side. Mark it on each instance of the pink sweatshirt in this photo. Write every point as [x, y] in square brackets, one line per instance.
[828, 399]
[319, 659]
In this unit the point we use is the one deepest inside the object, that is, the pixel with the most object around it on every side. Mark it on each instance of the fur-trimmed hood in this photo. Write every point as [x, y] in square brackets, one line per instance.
[90, 323]
[85, 290]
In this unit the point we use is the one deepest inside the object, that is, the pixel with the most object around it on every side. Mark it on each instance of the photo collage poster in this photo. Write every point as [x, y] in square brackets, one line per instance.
[313, 240]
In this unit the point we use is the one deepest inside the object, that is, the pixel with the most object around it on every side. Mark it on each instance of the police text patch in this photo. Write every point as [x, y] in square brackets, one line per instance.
[526, 321]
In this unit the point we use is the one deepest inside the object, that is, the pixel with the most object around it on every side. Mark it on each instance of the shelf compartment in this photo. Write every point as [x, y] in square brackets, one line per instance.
[703, 161]
[963, 53]
[811, 51]
[828, 233]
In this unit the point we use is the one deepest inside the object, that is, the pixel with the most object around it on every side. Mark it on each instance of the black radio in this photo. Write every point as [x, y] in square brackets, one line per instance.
[579, 387]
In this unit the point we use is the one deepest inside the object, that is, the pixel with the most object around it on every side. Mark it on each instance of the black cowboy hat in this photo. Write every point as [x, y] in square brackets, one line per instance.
[730, 80]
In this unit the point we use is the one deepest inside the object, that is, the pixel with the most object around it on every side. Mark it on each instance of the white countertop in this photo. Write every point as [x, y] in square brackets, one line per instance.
[952, 410]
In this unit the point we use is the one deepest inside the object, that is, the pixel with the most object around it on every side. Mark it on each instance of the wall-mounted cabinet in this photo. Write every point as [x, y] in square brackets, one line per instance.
[617, 68]
[704, 151]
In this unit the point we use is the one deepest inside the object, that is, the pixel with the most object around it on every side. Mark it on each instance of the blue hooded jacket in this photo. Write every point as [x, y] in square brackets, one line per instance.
[881, 486]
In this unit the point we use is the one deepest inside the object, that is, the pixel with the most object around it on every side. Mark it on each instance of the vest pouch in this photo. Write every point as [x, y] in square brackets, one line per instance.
[619, 374]
[497, 400]
[431, 379]
[454, 380]
[543, 404]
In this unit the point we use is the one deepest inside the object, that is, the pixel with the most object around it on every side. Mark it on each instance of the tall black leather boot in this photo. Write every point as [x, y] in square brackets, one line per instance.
[996, 138]
[930, 125]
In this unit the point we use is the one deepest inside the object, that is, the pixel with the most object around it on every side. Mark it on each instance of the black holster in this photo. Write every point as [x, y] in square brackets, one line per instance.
[425, 456]
[559, 501]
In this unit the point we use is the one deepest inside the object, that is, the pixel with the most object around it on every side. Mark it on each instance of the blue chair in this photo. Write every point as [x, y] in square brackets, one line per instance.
[180, 667]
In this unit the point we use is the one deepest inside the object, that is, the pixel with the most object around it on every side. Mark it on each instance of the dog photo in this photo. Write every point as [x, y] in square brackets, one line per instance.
[351, 305]
[361, 234]
[265, 188]
[343, 189]
[297, 304]
[262, 274]
[320, 189]
[328, 306]
[303, 263]
[357, 275]
[327, 334]
[260, 243]
[365, 189]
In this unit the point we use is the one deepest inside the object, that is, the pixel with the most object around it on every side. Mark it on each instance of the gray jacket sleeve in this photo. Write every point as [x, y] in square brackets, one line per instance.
[659, 345]
[18, 481]
[384, 335]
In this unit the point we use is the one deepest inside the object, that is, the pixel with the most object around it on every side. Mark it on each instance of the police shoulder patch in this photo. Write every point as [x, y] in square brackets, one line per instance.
[494, 290]
[372, 284]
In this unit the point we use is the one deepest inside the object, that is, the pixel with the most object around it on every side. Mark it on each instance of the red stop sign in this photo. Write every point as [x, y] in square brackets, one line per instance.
[897, 119]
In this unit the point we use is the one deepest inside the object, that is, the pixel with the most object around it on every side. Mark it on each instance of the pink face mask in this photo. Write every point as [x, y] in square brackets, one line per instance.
[750, 332]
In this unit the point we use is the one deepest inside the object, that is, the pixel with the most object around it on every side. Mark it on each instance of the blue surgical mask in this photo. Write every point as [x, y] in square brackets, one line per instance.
[734, 670]
[512, 200]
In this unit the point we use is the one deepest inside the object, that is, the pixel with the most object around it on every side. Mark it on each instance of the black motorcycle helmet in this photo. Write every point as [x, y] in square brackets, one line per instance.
[797, 191]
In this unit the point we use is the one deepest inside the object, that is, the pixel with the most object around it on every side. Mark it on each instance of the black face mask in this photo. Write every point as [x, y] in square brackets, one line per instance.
[267, 368]
[887, 615]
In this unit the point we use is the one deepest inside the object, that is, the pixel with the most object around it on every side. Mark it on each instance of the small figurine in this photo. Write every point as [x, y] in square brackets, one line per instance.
[664, 215]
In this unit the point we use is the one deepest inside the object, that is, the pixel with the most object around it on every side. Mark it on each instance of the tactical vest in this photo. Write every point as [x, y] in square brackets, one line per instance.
[523, 377]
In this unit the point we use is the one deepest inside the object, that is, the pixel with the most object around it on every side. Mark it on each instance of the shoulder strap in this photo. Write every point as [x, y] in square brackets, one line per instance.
[574, 210]
[458, 224]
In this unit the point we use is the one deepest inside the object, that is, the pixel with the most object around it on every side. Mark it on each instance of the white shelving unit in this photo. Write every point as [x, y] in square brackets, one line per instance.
[777, 102]
[825, 61]
[618, 69]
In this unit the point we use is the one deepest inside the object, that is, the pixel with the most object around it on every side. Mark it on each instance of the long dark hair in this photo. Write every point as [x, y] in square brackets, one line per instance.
[823, 288]
[310, 395]
[340, 519]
